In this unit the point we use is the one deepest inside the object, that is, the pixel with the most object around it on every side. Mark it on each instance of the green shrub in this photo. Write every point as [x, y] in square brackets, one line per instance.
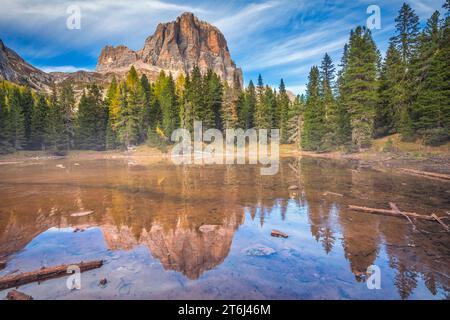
[435, 137]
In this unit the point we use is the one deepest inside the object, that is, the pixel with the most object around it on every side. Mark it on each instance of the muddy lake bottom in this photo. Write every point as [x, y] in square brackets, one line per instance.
[204, 232]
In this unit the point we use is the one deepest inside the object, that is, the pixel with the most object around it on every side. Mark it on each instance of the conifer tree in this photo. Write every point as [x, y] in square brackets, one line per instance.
[314, 125]
[263, 108]
[392, 94]
[57, 137]
[283, 106]
[39, 124]
[247, 111]
[17, 120]
[27, 104]
[5, 139]
[66, 105]
[327, 69]
[213, 99]
[359, 86]
[90, 124]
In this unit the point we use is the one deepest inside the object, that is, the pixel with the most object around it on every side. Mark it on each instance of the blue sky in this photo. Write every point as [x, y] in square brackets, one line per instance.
[277, 38]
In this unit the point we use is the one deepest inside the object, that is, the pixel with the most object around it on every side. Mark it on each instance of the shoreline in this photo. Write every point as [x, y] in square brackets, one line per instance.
[381, 161]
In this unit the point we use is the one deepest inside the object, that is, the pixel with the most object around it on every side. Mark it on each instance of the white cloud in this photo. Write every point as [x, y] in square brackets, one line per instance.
[49, 69]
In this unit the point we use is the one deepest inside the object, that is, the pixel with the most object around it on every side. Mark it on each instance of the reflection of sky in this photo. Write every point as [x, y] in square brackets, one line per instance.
[278, 38]
[300, 268]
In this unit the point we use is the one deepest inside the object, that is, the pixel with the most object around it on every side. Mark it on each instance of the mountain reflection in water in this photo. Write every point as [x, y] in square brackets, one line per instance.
[204, 222]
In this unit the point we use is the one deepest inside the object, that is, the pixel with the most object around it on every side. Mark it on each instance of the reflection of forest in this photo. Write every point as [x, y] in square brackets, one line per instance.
[187, 216]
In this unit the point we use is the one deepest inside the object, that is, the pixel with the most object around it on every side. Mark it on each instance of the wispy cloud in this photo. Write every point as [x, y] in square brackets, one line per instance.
[62, 68]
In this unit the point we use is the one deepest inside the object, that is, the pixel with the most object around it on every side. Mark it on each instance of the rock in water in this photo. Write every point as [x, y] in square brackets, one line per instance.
[208, 228]
[17, 295]
[259, 251]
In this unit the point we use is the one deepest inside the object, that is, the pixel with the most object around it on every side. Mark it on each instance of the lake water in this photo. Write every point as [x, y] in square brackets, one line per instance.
[204, 232]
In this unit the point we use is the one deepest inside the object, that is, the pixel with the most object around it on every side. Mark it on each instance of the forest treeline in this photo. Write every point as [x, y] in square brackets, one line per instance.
[345, 107]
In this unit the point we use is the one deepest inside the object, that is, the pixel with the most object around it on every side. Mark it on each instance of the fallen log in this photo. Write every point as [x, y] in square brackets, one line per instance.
[278, 234]
[17, 295]
[43, 274]
[393, 213]
[326, 193]
[427, 174]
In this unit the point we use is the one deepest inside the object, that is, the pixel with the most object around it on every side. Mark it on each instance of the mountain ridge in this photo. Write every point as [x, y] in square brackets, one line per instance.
[176, 47]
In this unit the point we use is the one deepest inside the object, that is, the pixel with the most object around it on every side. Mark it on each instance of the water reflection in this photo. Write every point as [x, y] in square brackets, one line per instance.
[189, 217]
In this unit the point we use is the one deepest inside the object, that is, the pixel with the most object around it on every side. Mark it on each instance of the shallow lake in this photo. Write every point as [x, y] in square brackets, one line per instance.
[204, 232]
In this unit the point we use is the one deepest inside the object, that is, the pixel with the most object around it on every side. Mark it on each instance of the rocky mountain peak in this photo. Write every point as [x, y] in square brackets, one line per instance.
[176, 47]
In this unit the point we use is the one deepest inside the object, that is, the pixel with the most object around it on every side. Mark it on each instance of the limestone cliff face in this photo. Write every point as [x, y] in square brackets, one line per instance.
[14, 69]
[176, 47]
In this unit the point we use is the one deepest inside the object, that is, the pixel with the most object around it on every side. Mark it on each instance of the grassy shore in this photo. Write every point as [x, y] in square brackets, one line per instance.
[388, 152]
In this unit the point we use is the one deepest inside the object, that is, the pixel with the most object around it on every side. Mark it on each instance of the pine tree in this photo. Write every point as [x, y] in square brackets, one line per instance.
[27, 103]
[392, 94]
[130, 101]
[314, 125]
[39, 124]
[229, 110]
[344, 131]
[283, 106]
[327, 69]
[359, 86]
[247, 111]
[146, 120]
[168, 103]
[66, 104]
[90, 124]
[431, 108]
[407, 26]
[57, 138]
[17, 120]
[213, 99]
[405, 41]
[112, 103]
[5, 130]
[263, 109]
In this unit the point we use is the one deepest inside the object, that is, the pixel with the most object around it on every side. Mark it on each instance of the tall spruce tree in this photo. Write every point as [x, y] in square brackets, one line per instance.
[283, 106]
[17, 120]
[90, 122]
[430, 110]
[5, 130]
[392, 94]
[314, 124]
[39, 124]
[327, 73]
[263, 109]
[247, 111]
[359, 86]
[27, 103]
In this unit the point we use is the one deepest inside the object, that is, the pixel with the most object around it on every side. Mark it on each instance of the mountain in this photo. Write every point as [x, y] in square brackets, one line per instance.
[14, 69]
[175, 47]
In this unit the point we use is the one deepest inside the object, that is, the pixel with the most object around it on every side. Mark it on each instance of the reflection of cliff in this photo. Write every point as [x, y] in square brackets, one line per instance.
[189, 251]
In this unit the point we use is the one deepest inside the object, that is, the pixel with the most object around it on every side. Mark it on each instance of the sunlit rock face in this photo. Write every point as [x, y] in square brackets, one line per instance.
[176, 47]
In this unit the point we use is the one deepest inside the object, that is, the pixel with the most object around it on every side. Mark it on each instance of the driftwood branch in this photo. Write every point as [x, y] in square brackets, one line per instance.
[440, 221]
[396, 209]
[44, 274]
[393, 213]
[427, 174]
[329, 193]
